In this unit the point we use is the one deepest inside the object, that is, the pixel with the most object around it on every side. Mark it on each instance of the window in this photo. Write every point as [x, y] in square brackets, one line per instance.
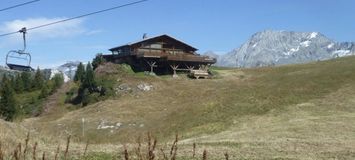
[118, 51]
[156, 46]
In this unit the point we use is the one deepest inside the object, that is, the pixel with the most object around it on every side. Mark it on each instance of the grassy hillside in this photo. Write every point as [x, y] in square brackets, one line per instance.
[297, 112]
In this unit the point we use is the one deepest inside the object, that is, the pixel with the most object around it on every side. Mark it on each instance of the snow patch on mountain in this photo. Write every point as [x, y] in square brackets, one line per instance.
[341, 53]
[313, 35]
[272, 48]
[55, 71]
[305, 43]
[331, 45]
[67, 70]
[292, 50]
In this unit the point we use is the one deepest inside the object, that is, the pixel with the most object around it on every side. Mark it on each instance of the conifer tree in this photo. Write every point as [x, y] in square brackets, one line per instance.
[45, 91]
[4, 80]
[18, 84]
[89, 79]
[13, 82]
[7, 101]
[38, 80]
[58, 80]
[26, 80]
[85, 97]
[80, 73]
[98, 60]
[88, 85]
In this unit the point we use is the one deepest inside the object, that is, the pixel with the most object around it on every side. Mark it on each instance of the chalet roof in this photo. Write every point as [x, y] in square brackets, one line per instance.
[155, 37]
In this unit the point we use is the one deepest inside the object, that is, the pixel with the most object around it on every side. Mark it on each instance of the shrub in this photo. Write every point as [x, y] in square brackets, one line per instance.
[98, 60]
[8, 107]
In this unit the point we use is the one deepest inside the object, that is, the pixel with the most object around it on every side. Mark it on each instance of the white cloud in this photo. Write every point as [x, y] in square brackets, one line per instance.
[39, 39]
[59, 30]
[93, 32]
[69, 28]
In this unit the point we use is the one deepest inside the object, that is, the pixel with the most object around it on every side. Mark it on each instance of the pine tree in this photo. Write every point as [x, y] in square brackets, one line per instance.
[4, 79]
[45, 91]
[87, 86]
[80, 73]
[7, 101]
[18, 84]
[13, 82]
[58, 80]
[98, 60]
[38, 80]
[83, 94]
[89, 79]
[26, 80]
[85, 97]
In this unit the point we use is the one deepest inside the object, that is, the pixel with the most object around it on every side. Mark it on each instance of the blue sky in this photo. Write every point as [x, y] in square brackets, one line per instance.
[217, 25]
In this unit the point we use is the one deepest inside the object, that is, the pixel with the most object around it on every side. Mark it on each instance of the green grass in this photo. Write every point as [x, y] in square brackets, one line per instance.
[210, 106]
[290, 112]
[101, 156]
[267, 89]
[29, 104]
[220, 68]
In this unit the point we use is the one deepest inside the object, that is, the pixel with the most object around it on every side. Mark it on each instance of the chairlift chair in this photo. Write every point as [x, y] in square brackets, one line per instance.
[20, 55]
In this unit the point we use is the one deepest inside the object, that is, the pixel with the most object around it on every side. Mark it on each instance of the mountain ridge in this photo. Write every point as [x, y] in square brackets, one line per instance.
[67, 69]
[274, 48]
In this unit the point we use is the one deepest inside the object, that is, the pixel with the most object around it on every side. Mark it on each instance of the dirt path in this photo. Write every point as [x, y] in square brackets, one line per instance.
[53, 101]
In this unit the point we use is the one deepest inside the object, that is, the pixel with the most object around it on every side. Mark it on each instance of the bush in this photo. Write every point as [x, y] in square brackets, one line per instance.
[98, 60]
[70, 95]
[58, 80]
[8, 107]
[45, 92]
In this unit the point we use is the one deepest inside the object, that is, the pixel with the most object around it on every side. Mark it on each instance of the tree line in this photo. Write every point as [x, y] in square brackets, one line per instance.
[85, 78]
[90, 88]
[16, 84]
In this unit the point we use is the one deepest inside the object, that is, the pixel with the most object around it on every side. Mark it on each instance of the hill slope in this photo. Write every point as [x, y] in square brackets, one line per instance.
[297, 111]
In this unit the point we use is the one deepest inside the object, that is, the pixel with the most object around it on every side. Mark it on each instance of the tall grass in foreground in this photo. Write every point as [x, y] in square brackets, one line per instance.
[139, 151]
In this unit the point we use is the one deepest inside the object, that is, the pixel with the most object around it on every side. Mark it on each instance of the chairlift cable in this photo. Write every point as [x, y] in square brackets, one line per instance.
[77, 17]
[18, 5]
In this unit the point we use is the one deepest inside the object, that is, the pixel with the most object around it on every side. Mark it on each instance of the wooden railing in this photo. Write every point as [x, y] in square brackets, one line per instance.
[192, 58]
[157, 54]
[175, 57]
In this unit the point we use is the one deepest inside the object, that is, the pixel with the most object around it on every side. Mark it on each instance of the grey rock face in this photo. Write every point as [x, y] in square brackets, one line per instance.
[211, 54]
[67, 70]
[271, 48]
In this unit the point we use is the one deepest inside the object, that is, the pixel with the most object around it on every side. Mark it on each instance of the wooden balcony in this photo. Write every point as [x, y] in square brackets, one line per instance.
[172, 55]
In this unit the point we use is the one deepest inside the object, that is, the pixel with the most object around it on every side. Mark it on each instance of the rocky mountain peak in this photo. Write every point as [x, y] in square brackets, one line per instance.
[271, 47]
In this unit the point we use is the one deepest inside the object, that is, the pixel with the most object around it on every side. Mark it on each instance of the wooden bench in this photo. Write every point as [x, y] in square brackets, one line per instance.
[199, 74]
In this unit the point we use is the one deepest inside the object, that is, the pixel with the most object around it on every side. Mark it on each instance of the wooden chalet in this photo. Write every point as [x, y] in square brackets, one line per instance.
[161, 54]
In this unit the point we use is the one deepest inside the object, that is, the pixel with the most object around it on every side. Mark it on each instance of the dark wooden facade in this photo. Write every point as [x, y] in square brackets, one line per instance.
[161, 54]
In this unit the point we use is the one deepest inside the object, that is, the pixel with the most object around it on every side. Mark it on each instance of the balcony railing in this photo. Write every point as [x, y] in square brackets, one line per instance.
[173, 55]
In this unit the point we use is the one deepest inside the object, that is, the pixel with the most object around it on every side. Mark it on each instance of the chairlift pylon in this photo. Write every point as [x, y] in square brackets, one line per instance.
[20, 55]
